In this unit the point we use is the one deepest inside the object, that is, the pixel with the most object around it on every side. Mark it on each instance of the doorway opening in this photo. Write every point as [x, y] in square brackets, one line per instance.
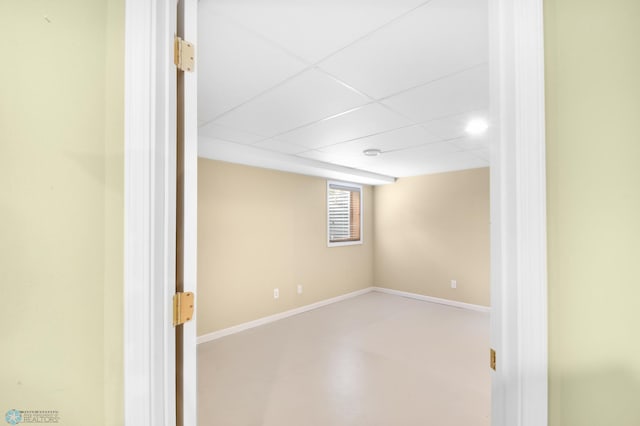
[408, 81]
[518, 213]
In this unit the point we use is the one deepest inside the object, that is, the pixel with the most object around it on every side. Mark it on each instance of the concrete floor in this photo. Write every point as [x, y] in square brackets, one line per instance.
[374, 360]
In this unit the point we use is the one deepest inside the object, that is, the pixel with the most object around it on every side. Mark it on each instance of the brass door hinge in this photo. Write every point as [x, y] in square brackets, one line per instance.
[182, 308]
[492, 359]
[183, 54]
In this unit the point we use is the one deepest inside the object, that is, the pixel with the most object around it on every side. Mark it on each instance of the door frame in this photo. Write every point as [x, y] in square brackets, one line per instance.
[150, 214]
[149, 222]
[518, 215]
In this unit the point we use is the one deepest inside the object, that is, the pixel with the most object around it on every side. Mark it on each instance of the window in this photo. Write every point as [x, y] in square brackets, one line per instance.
[344, 210]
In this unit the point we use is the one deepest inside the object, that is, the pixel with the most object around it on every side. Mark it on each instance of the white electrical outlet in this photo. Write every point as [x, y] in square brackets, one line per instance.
[454, 284]
[299, 289]
[276, 293]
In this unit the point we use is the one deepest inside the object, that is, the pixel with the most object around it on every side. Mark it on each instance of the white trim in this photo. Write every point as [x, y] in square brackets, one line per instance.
[149, 254]
[430, 299]
[346, 243]
[276, 317]
[531, 212]
[292, 312]
[518, 216]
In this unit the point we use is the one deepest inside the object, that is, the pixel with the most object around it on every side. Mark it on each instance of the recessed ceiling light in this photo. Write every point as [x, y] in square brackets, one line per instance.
[372, 152]
[477, 126]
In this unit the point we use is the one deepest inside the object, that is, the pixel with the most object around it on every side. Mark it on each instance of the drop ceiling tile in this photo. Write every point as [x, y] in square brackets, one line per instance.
[304, 99]
[466, 91]
[361, 122]
[454, 126]
[472, 143]
[312, 29]
[420, 153]
[396, 163]
[436, 40]
[328, 157]
[485, 154]
[235, 65]
[281, 146]
[412, 136]
[216, 131]
[421, 163]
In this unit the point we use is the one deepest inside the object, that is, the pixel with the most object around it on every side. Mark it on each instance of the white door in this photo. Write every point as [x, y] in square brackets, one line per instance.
[186, 207]
[160, 214]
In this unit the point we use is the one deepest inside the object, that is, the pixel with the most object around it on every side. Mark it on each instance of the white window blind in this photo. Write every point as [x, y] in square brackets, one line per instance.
[345, 213]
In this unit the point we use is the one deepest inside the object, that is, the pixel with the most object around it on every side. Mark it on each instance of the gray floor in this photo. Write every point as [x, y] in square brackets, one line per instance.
[374, 360]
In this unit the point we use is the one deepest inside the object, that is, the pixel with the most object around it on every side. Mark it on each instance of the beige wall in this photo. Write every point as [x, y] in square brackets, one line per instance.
[260, 229]
[593, 154]
[61, 108]
[432, 229]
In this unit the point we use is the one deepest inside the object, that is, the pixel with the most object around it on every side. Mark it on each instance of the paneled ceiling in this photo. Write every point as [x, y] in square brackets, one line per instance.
[316, 82]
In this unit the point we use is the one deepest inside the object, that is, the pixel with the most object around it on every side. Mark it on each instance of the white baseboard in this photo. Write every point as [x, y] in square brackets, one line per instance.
[447, 302]
[275, 317]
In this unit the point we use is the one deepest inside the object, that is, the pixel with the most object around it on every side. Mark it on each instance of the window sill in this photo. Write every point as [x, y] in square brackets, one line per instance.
[344, 243]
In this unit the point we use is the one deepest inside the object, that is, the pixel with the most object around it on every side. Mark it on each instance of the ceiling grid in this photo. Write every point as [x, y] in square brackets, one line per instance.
[323, 80]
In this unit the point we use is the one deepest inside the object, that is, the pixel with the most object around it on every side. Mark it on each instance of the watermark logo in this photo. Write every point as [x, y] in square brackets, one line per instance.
[13, 417]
